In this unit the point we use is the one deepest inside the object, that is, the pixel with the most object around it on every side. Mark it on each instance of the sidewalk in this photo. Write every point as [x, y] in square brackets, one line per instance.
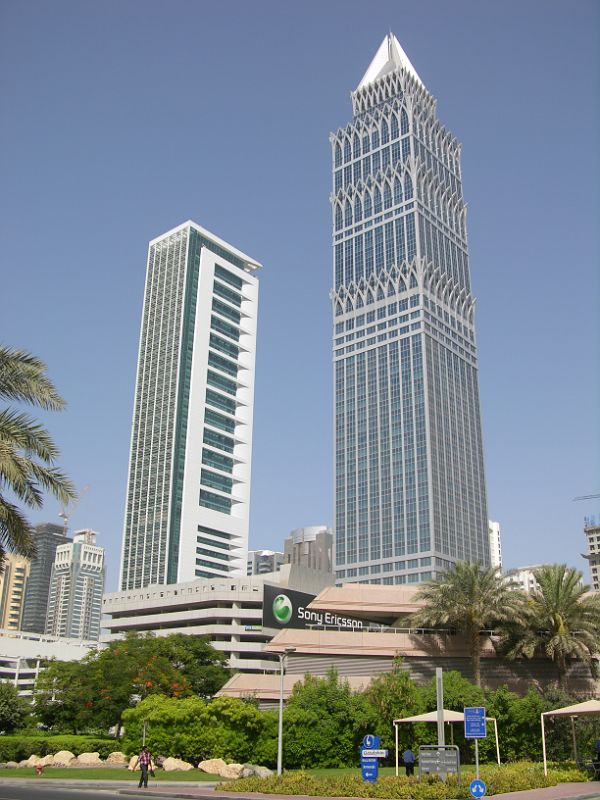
[189, 791]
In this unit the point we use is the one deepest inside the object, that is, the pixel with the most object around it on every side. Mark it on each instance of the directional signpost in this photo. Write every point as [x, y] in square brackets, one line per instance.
[439, 760]
[475, 728]
[370, 753]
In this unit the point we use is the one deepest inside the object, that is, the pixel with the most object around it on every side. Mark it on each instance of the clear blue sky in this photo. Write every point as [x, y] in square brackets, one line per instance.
[123, 119]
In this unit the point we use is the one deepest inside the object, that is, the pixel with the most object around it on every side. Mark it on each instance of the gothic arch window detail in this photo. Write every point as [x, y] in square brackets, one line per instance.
[338, 217]
[338, 155]
[387, 196]
[408, 188]
[403, 122]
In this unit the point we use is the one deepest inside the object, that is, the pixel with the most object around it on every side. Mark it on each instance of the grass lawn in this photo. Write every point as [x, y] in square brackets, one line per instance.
[105, 774]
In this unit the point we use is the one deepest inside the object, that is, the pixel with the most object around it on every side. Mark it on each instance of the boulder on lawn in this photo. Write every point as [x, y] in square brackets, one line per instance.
[64, 758]
[263, 772]
[11, 765]
[132, 762]
[46, 761]
[212, 765]
[231, 771]
[117, 759]
[89, 760]
[176, 765]
[30, 762]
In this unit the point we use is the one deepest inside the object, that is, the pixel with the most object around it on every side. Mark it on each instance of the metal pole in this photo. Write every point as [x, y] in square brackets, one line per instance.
[574, 739]
[477, 758]
[439, 686]
[282, 657]
[396, 736]
[280, 727]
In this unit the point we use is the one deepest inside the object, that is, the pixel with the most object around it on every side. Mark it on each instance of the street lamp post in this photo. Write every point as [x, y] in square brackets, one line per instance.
[282, 658]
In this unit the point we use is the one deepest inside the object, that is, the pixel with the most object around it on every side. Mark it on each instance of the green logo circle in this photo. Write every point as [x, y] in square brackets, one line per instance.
[282, 609]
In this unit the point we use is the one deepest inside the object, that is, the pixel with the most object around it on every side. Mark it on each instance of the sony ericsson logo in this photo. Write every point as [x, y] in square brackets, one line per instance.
[282, 609]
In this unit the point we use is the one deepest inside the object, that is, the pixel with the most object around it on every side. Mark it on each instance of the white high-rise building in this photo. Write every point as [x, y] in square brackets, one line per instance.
[76, 587]
[188, 493]
[409, 479]
[495, 544]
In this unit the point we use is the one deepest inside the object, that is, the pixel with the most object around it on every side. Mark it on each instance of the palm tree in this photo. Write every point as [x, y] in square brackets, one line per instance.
[562, 621]
[469, 598]
[27, 452]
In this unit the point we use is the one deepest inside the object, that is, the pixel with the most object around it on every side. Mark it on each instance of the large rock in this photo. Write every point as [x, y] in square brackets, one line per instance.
[176, 765]
[89, 760]
[64, 758]
[117, 759]
[11, 765]
[262, 772]
[29, 762]
[212, 765]
[231, 771]
[132, 762]
[46, 761]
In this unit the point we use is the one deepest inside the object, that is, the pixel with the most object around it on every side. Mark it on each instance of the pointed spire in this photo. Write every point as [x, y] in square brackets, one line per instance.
[388, 58]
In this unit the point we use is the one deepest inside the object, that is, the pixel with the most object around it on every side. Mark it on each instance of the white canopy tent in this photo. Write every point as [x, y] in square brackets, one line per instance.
[449, 716]
[589, 708]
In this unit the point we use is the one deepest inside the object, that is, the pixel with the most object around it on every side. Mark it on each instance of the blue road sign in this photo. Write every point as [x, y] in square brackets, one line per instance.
[475, 727]
[477, 788]
[369, 762]
[371, 742]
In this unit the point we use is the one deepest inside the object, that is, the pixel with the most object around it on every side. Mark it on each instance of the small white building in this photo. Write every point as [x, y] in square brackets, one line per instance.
[524, 577]
[23, 655]
[262, 561]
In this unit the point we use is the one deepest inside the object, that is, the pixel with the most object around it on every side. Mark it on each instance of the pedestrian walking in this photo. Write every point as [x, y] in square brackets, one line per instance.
[409, 761]
[144, 760]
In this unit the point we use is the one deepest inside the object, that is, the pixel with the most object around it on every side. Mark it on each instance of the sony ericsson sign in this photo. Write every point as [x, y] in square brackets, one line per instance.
[286, 608]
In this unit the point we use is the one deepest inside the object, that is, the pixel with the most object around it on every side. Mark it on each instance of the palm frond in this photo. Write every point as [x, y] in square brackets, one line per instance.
[23, 378]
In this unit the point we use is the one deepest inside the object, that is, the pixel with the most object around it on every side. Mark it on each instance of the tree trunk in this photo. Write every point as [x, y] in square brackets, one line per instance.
[475, 645]
[561, 668]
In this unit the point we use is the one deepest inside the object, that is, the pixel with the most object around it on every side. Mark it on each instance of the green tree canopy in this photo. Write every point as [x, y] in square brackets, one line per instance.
[27, 452]
[336, 717]
[95, 692]
[469, 598]
[393, 695]
[562, 621]
[13, 710]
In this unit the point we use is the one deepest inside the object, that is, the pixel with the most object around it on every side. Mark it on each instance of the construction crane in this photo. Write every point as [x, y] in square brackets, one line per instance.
[66, 512]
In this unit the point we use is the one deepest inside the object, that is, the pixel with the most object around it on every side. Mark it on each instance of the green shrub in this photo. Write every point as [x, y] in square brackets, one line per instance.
[18, 747]
[499, 779]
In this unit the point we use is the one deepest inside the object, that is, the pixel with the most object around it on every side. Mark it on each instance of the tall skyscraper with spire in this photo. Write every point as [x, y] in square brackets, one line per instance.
[409, 479]
[188, 494]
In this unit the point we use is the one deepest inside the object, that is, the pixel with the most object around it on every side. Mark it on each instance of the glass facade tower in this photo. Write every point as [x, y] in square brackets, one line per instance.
[188, 493]
[409, 480]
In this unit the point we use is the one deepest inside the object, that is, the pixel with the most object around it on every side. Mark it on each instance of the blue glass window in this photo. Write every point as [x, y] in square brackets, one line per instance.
[385, 135]
[338, 155]
[403, 122]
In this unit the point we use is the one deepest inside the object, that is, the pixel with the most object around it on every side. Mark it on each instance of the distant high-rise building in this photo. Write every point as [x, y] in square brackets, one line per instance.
[261, 562]
[495, 544]
[76, 587]
[409, 480]
[48, 537]
[310, 547]
[188, 492]
[592, 535]
[13, 580]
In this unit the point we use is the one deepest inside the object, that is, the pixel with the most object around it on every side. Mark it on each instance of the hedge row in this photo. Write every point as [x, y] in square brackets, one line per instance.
[17, 747]
[506, 778]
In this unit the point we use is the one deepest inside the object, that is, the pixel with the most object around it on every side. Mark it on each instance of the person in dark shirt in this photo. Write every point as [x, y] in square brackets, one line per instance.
[409, 761]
